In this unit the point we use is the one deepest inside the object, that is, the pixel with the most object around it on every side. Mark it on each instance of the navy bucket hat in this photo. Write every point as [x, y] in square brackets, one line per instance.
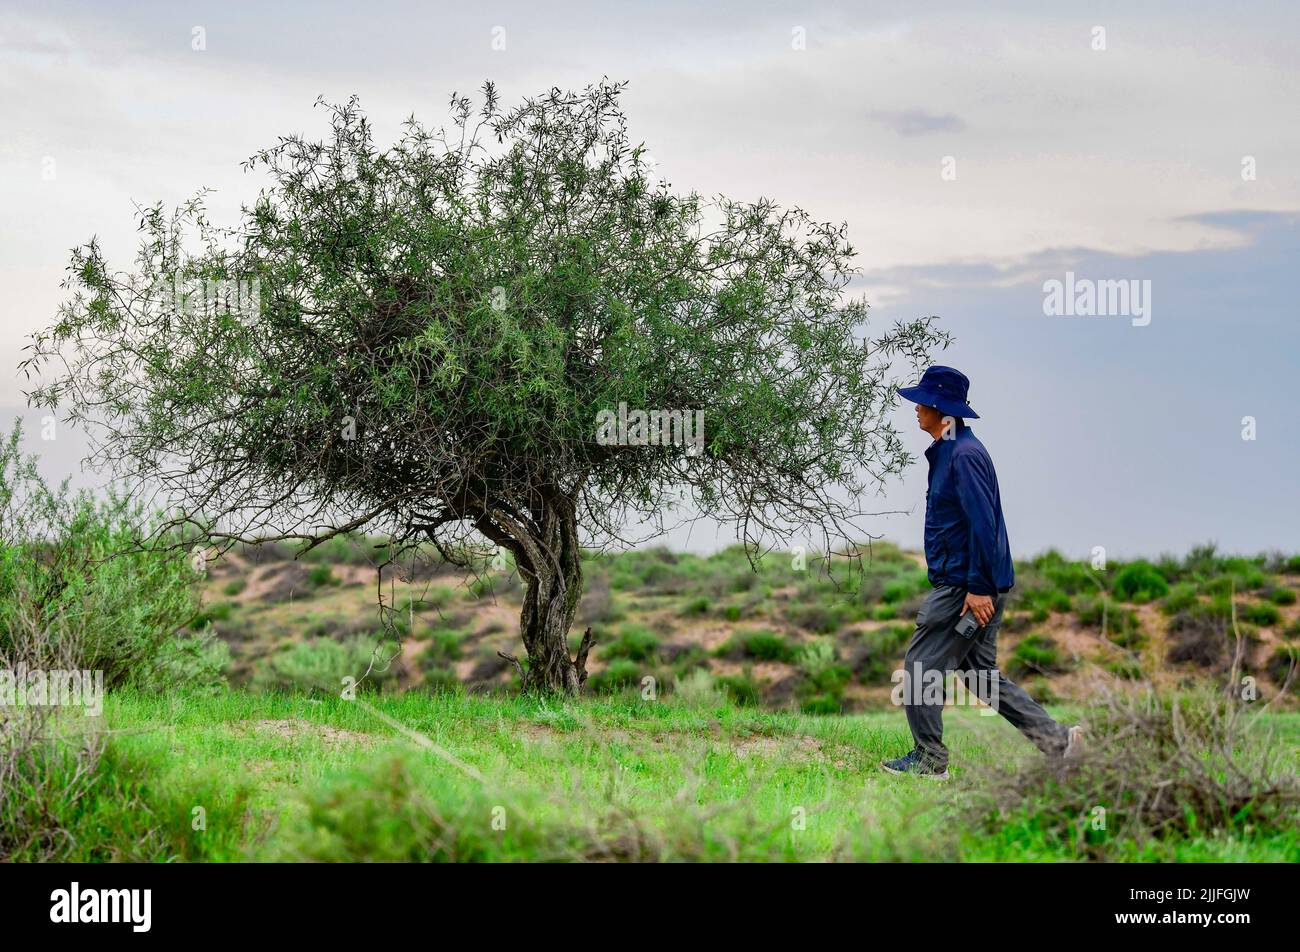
[943, 388]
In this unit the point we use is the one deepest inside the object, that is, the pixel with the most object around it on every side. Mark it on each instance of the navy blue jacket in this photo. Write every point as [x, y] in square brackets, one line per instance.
[965, 536]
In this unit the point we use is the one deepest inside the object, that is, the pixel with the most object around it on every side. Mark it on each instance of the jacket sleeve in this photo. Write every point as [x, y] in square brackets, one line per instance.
[976, 486]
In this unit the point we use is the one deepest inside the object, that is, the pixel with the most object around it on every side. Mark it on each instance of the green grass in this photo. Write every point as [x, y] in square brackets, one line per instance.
[550, 766]
[596, 779]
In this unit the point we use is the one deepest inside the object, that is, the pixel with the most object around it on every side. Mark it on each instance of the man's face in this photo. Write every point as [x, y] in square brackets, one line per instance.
[928, 418]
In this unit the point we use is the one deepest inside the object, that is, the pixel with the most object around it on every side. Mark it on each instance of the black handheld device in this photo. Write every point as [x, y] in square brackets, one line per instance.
[967, 626]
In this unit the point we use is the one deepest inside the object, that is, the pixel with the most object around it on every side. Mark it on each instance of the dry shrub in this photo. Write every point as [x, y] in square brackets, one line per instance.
[44, 775]
[46, 769]
[1159, 766]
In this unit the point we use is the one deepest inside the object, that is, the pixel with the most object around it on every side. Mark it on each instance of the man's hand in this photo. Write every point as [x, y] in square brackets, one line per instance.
[981, 606]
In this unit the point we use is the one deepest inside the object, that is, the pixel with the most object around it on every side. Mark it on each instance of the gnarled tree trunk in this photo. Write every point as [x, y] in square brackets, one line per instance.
[549, 560]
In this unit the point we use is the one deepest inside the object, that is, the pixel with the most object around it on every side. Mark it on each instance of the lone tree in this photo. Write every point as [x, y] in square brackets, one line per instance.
[436, 329]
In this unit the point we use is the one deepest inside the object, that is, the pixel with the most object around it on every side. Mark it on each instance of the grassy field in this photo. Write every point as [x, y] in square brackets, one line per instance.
[239, 776]
[734, 711]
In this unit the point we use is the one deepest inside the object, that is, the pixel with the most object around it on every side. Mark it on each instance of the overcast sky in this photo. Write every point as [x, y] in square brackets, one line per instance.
[975, 155]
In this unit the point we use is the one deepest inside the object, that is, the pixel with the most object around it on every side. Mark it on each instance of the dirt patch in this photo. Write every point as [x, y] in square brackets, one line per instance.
[295, 728]
[277, 583]
[410, 670]
[533, 733]
[797, 747]
[349, 575]
[495, 618]
[423, 570]
[708, 635]
[781, 692]
[800, 746]
[1076, 641]
[763, 673]
[483, 669]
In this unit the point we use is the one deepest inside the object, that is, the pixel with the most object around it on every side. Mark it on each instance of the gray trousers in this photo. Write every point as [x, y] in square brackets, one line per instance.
[937, 649]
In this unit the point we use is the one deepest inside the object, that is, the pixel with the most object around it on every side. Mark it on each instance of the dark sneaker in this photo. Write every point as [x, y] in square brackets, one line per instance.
[914, 763]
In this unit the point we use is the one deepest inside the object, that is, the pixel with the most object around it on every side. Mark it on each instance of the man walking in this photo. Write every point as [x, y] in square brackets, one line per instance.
[968, 559]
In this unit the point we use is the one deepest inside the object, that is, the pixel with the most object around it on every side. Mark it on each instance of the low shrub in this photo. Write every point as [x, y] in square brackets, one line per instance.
[1282, 596]
[1157, 768]
[1244, 579]
[218, 611]
[1139, 582]
[634, 642]
[325, 665]
[1118, 624]
[741, 690]
[1259, 613]
[698, 689]
[69, 794]
[1180, 598]
[822, 689]
[1125, 668]
[1016, 622]
[823, 613]
[88, 583]
[761, 645]
[321, 575]
[1036, 654]
[619, 675]
[1202, 635]
[43, 779]
[1040, 599]
[696, 607]
[385, 812]
[437, 679]
[443, 648]
[878, 653]
[1284, 664]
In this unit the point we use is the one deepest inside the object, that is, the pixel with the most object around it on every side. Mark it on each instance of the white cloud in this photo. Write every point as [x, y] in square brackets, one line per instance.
[1055, 145]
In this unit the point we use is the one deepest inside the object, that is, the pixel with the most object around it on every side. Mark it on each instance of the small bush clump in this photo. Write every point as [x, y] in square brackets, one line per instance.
[1140, 582]
[761, 645]
[634, 643]
[619, 675]
[1259, 613]
[326, 665]
[1036, 654]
